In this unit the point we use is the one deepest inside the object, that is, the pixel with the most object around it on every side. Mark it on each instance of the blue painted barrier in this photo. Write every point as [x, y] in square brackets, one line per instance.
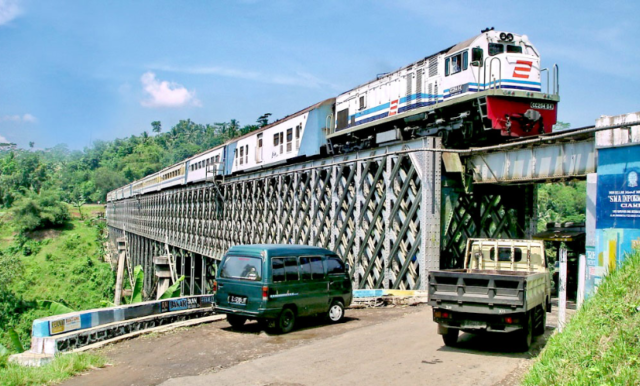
[59, 324]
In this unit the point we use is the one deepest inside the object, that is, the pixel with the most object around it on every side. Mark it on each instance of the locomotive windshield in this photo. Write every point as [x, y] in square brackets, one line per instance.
[514, 49]
[495, 49]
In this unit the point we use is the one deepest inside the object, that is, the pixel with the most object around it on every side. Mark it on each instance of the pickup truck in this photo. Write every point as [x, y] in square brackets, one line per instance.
[505, 286]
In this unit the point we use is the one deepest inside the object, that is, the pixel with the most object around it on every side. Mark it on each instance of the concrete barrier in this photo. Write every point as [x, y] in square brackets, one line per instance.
[57, 333]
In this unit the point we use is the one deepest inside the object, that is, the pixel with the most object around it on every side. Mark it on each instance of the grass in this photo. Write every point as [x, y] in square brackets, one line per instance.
[601, 343]
[61, 368]
[88, 210]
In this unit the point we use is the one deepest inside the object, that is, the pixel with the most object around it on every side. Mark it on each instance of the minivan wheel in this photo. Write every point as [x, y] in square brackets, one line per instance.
[336, 312]
[236, 321]
[286, 320]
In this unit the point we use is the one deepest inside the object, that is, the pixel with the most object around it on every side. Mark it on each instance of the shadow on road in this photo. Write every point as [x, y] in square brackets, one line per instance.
[302, 324]
[499, 344]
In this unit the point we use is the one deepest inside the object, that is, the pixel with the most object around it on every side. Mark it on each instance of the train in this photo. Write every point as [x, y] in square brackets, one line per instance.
[483, 90]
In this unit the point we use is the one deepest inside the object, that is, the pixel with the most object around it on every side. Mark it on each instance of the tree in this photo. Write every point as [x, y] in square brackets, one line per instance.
[35, 211]
[560, 126]
[157, 126]
[263, 120]
[31, 144]
[77, 201]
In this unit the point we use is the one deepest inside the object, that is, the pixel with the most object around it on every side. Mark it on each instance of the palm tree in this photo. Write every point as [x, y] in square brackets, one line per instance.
[157, 126]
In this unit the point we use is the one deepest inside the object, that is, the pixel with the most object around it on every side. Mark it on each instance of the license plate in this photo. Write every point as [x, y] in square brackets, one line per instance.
[238, 299]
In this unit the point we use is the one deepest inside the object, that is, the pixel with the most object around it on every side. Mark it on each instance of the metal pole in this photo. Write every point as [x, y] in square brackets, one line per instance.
[562, 294]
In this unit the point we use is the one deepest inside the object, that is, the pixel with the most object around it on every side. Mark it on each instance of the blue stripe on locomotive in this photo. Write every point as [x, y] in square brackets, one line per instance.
[439, 97]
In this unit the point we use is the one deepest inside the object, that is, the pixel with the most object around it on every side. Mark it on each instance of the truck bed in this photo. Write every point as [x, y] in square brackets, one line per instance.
[486, 291]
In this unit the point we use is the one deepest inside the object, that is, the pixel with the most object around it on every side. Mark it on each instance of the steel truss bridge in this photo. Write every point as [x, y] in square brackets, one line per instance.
[393, 213]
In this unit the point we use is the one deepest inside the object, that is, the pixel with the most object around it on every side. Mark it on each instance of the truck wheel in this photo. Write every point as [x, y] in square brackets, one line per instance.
[541, 320]
[236, 321]
[286, 321]
[526, 335]
[451, 337]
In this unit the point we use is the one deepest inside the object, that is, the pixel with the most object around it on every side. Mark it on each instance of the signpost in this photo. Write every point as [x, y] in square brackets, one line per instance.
[562, 293]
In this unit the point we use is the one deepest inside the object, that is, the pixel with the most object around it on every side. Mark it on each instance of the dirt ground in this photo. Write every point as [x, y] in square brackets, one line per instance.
[152, 359]
[373, 346]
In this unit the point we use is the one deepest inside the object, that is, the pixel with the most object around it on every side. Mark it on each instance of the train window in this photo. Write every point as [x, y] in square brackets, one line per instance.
[241, 155]
[362, 102]
[289, 139]
[514, 49]
[298, 129]
[259, 149]
[495, 49]
[453, 64]
[276, 139]
[477, 56]
[446, 66]
[465, 60]
[281, 141]
[246, 154]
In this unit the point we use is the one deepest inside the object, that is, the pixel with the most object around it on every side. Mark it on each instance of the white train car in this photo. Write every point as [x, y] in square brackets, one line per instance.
[302, 134]
[205, 165]
[448, 81]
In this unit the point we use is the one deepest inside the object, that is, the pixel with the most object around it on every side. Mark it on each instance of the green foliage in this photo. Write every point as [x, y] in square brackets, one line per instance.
[601, 343]
[36, 211]
[65, 271]
[174, 290]
[54, 308]
[61, 368]
[15, 341]
[561, 202]
[138, 275]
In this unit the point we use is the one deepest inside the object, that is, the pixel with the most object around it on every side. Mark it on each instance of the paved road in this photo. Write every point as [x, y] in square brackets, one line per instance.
[404, 350]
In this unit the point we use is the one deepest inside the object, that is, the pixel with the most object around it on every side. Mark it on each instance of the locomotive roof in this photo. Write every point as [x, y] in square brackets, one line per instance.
[422, 61]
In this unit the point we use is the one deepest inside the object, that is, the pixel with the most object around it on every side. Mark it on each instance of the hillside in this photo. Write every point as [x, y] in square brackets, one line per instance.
[63, 264]
[601, 343]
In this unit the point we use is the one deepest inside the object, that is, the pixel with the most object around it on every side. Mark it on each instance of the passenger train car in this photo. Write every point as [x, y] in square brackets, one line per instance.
[484, 88]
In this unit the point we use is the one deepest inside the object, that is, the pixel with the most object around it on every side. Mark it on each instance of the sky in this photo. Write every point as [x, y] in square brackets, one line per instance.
[79, 71]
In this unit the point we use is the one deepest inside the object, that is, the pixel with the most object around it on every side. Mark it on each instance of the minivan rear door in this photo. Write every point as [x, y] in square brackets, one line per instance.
[240, 283]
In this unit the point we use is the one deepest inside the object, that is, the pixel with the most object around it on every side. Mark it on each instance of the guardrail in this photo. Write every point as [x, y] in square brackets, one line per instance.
[70, 331]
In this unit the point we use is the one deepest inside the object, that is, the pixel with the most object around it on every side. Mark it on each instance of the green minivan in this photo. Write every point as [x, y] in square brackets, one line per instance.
[278, 283]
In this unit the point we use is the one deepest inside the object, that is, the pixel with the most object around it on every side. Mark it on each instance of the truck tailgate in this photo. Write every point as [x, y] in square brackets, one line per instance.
[490, 292]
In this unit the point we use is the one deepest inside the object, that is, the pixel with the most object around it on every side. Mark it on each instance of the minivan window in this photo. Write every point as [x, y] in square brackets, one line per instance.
[311, 268]
[242, 267]
[284, 269]
[334, 265]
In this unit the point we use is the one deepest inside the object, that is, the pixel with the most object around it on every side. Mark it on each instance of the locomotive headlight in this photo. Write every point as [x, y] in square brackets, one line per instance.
[510, 37]
[503, 36]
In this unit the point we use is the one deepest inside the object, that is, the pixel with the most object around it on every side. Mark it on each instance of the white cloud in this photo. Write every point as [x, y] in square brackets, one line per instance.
[9, 10]
[166, 94]
[29, 118]
[19, 118]
[299, 79]
[3, 139]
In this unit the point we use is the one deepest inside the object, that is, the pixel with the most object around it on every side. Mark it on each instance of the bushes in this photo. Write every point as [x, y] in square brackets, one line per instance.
[36, 211]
